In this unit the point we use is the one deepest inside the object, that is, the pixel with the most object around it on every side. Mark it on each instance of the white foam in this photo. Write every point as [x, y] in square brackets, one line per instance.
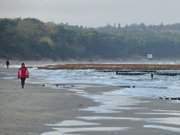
[166, 111]
[163, 113]
[167, 128]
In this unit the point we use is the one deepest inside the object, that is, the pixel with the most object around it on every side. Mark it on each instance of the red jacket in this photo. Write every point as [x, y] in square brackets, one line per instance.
[23, 72]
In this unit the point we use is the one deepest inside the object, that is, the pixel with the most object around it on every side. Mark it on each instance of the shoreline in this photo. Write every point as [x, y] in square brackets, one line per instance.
[83, 109]
[26, 111]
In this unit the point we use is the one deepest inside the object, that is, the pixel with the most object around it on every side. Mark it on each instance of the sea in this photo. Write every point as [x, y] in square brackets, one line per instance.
[134, 85]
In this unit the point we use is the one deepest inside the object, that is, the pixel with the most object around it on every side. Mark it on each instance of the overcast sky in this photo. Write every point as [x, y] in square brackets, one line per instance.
[94, 12]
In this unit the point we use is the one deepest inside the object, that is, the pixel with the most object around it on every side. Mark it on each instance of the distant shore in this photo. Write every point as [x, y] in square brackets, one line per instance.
[114, 67]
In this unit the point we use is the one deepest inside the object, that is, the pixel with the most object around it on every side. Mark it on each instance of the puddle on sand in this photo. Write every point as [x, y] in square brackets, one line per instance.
[163, 113]
[73, 126]
[68, 131]
[78, 91]
[111, 102]
[168, 120]
[171, 111]
[71, 123]
[110, 118]
[167, 128]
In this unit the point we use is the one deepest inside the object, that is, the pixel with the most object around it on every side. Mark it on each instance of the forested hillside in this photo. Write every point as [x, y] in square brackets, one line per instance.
[33, 39]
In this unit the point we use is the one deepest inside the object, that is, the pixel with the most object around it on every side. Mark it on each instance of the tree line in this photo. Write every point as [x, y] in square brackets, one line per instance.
[33, 39]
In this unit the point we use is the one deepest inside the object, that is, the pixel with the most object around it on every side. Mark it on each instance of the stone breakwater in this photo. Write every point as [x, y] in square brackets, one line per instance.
[115, 67]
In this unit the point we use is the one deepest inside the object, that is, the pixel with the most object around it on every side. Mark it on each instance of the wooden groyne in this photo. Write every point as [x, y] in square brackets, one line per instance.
[115, 67]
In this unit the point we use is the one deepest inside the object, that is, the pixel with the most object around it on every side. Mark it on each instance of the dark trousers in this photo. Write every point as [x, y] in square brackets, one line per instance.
[23, 82]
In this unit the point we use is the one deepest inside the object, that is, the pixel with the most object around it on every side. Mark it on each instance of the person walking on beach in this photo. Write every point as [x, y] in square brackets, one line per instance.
[7, 64]
[23, 73]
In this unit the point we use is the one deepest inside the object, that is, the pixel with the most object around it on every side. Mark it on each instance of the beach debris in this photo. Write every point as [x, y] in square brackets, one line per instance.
[169, 98]
[80, 105]
[168, 73]
[64, 85]
[125, 86]
[129, 73]
[57, 85]
[133, 86]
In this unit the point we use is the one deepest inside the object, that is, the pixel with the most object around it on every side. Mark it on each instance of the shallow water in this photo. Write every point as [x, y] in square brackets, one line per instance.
[112, 102]
[143, 86]
[166, 128]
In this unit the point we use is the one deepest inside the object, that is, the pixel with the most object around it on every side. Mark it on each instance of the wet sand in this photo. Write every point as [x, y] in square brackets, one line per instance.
[26, 111]
[37, 110]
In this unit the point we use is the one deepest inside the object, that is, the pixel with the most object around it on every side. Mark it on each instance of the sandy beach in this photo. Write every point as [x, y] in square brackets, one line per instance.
[38, 110]
[26, 111]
